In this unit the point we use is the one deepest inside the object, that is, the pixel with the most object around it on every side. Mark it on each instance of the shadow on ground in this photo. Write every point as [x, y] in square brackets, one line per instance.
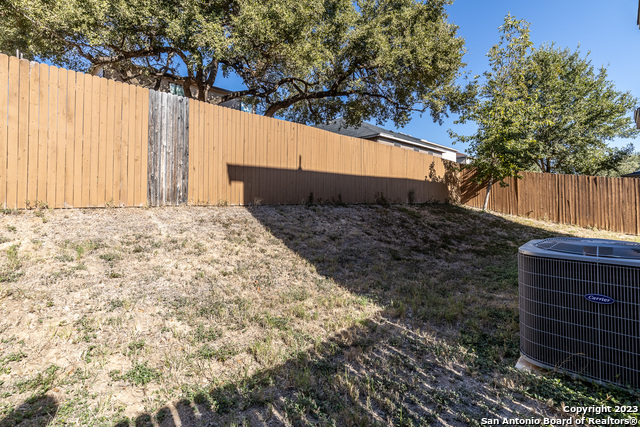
[36, 411]
[440, 351]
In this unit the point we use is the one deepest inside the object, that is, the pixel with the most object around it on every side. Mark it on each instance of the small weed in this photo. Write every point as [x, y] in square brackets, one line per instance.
[379, 199]
[87, 355]
[141, 374]
[13, 262]
[301, 312]
[200, 248]
[10, 273]
[42, 382]
[411, 196]
[40, 214]
[14, 357]
[79, 266]
[86, 328]
[110, 257]
[79, 251]
[11, 228]
[221, 354]
[136, 346]
[115, 375]
[275, 322]
[119, 303]
[64, 258]
[203, 334]
[9, 211]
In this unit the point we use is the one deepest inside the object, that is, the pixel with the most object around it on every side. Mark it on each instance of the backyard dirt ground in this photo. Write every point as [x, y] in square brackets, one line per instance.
[269, 315]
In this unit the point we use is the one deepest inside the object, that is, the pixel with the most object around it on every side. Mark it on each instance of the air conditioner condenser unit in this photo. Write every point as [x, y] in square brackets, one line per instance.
[580, 307]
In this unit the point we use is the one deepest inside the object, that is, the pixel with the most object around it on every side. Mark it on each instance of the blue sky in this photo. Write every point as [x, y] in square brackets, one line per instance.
[607, 29]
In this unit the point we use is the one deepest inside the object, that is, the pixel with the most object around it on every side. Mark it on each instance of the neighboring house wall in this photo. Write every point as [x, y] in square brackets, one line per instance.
[422, 147]
[396, 143]
[463, 159]
[450, 156]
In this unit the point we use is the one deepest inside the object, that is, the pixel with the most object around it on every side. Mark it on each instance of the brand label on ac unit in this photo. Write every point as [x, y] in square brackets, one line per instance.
[600, 299]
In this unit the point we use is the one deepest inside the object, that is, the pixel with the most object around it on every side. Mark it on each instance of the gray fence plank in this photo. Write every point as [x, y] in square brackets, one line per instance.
[167, 176]
[163, 163]
[171, 191]
[151, 170]
[184, 152]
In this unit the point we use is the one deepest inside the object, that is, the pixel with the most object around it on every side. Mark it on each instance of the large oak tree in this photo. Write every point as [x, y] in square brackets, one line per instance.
[305, 60]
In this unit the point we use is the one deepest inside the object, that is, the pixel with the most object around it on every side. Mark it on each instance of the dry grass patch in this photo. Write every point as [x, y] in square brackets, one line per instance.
[116, 312]
[279, 315]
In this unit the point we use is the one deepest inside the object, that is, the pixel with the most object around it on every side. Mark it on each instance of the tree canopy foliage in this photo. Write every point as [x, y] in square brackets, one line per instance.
[577, 110]
[544, 109]
[305, 60]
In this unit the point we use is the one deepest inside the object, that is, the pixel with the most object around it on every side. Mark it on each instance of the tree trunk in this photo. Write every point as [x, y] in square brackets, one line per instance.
[202, 94]
[486, 198]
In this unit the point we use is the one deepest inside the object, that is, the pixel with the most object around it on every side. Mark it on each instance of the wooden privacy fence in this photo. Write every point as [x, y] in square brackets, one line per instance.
[69, 139]
[241, 158]
[587, 201]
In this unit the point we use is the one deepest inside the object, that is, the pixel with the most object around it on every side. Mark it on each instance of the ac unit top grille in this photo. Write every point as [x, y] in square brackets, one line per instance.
[601, 248]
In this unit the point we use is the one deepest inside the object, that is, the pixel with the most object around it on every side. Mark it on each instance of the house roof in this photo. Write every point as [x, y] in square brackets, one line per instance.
[635, 174]
[369, 131]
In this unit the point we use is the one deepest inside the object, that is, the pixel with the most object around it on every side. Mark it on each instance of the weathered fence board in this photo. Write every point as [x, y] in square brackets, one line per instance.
[4, 77]
[12, 130]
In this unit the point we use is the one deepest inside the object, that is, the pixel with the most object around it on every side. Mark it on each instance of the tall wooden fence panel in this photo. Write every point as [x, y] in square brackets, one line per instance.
[168, 149]
[69, 139]
[587, 201]
[242, 158]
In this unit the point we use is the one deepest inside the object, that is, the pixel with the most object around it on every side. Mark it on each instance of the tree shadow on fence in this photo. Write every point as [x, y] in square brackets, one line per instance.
[471, 191]
[294, 186]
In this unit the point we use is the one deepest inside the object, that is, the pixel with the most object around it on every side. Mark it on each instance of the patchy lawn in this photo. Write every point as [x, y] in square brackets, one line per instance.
[276, 315]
